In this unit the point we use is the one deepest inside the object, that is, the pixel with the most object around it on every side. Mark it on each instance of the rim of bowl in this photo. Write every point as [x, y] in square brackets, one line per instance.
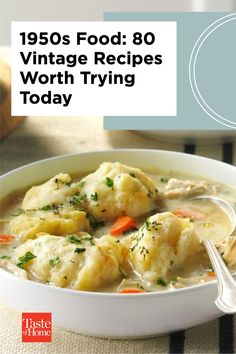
[97, 152]
[73, 292]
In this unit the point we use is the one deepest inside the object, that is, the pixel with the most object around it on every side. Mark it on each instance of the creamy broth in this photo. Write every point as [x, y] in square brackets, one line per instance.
[203, 219]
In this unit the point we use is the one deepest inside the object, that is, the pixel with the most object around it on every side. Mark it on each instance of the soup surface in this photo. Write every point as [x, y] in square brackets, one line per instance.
[118, 229]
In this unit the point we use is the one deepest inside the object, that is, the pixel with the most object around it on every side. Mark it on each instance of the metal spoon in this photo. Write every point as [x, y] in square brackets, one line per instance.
[226, 299]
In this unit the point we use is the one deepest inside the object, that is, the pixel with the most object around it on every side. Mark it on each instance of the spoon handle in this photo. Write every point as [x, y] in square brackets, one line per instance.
[226, 300]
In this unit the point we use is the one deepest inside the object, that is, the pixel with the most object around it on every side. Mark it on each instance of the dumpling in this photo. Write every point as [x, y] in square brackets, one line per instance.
[55, 191]
[79, 262]
[58, 222]
[164, 241]
[177, 188]
[53, 207]
[116, 189]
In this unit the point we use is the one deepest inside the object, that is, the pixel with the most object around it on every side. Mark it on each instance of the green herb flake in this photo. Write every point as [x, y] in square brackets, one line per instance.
[144, 251]
[95, 223]
[174, 280]
[46, 208]
[73, 239]
[54, 261]
[77, 199]
[132, 174]
[5, 257]
[94, 197]
[164, 179]
[81, 184]
[147, 225]
[59, 181]
[25, 259]
[109, 182]
[18, 212]
[79, 250]
[52, 207]
[89, 238]
[161, 282]
[65, 277]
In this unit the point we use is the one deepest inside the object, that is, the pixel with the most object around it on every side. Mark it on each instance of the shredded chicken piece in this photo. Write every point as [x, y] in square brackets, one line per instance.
[12, 268]
[185, 282]
[177, 188]
[229, 250]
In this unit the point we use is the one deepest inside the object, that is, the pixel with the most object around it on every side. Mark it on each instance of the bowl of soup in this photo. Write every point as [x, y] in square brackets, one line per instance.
[109, 242]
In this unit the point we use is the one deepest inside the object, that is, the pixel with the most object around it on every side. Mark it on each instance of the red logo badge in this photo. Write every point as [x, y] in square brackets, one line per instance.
[36, 327]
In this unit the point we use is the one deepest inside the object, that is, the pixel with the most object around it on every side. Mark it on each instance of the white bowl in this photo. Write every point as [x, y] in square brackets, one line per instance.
[106, 314]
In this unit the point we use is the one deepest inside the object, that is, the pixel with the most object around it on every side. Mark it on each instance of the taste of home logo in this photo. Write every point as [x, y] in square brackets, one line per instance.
[36, 327]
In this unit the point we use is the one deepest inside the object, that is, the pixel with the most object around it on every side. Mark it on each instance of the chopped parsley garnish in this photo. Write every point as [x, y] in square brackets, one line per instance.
[132, 174]
[79, 250]
[94, 223]
[80, 239]
[147, 224]
[164, 179]
[5, 257]
[161, 282]
[174, 280]
[150, 226]
[25, 259]
[138, 238]
[65, 277]
[74, 239]
[53, 207]
[94, 197]
[144, 251]
[46, 208]
[109, 182]
[54, 261]
[88, 238]
[59, 181]
[18, 212]
[77, 199]
[81, 184]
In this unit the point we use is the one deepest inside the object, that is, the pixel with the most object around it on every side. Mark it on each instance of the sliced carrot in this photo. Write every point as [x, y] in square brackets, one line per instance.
[131, 291]
[6, 238]
[122, 224]
[211, 274]
[195, 215]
